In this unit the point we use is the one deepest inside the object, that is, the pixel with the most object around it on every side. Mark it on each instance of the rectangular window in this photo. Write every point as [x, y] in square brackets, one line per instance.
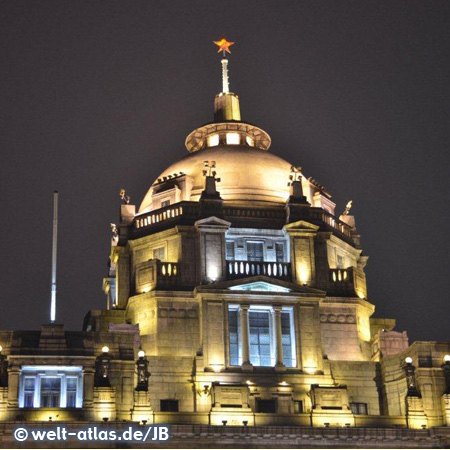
[159, 253]
[165, 203]
[266, 406]
[71, 392]
[169, 405]
[359, 409]
[213, 140]
[298, 406]
[255, 251]
[233, 139]
[230, 250]
[287, 336]
[51, 387]
[233, 327]
[28, 392]
[260, 338]
[279, 252]
[340, 262]
[50, 392]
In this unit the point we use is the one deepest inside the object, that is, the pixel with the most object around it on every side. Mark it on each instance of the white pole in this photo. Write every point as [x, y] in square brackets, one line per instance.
[54, 249]
[225, 84]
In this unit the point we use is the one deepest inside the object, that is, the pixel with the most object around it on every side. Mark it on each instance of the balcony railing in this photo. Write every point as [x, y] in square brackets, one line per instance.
[350, 281]
[188, 212]
[243, 269]
[154, 273]
[166, 213]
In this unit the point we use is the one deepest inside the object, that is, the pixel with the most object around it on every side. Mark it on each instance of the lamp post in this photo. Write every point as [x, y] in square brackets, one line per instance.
[102, 368]
[143, 374]
[410, 378]
[446, 370]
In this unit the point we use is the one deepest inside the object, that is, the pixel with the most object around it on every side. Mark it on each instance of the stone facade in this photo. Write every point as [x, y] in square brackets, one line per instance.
[234, 302]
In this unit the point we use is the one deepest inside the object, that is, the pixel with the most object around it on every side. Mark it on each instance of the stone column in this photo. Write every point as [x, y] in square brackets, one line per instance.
[243, 311]
[88, 392]
[13, 386]
[276, 311]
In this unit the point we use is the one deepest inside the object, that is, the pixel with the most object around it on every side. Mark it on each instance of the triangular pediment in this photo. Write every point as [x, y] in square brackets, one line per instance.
[301, 225]
[261, 283]
[212, 222]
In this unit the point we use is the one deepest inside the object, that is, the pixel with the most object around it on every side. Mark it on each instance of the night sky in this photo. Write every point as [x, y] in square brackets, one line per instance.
[96, 96]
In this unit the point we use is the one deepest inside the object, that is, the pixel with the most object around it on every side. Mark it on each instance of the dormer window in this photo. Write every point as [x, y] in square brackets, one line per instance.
[233, 139]
[213, 140]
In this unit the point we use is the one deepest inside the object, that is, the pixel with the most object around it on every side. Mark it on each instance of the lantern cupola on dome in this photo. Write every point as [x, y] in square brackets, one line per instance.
[227, 128]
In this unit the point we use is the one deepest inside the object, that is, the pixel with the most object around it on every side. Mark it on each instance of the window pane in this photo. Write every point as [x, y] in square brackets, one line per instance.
[255, 251]
[230, 250]
[279, 251]
[289, 359]
[50, 392]
[260, 340]
[234, 336]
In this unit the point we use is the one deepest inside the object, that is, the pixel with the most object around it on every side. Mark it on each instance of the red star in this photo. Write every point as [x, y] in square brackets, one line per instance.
[224, 45]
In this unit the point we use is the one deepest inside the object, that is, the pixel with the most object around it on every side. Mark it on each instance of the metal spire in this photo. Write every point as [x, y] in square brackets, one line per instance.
[54, 251]
[224, 46]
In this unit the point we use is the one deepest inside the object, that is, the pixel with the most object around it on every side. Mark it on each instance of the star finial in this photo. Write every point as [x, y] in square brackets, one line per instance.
[224, 45]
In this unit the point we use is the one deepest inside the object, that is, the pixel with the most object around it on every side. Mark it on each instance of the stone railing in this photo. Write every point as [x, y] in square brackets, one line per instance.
[166, 213]
[189, 212]
[349, 281]
[154, 273]
[243, 269]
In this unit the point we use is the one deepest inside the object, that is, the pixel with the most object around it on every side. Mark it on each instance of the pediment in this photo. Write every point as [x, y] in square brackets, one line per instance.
[212, 222]
[261, 283]
[301, 225]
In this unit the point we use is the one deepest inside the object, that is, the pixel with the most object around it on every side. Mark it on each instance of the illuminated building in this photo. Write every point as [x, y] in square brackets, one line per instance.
[247, 293]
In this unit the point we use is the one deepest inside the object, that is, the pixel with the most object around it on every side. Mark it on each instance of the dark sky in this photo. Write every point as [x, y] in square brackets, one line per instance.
[99, 95]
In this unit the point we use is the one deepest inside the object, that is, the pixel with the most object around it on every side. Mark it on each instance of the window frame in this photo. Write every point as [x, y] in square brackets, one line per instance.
[260, 308]
[40, 373]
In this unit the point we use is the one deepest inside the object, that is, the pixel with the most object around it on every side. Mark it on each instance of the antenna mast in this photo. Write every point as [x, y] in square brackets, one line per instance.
[54, 250]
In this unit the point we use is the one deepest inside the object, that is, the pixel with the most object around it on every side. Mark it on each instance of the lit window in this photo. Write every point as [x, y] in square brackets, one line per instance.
[71, 391]
[287, 337]
[28, 391]
[261, 350]
[233, 327]
[279, 252]
[50, 392]
[213, 140]
[159, 253]
[261, 337]
[230, 250]
[250, 141]
[233, 139]
[51, 387]
[255, 251]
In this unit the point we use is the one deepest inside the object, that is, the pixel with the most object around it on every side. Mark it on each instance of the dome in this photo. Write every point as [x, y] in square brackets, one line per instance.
[247, 174]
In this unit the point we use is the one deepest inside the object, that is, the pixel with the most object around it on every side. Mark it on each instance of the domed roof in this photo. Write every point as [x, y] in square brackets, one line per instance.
[247, 175]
